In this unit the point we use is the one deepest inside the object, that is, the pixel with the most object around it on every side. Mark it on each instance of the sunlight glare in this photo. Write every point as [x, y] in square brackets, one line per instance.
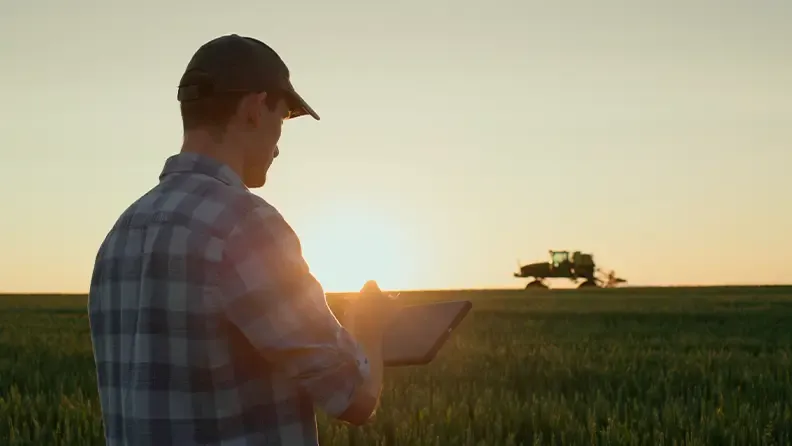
[345, 249]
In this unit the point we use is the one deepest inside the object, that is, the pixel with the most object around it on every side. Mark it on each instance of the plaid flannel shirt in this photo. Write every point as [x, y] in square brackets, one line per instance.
[207, 326]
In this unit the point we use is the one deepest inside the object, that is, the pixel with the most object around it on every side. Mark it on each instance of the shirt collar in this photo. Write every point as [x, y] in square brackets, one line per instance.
[187, 162]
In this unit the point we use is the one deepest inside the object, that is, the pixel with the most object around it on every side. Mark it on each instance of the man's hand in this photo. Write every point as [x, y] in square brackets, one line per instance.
[371, 312]
[366, 317]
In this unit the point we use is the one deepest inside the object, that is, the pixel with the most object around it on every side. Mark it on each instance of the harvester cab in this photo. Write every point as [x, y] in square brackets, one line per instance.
[559, 258]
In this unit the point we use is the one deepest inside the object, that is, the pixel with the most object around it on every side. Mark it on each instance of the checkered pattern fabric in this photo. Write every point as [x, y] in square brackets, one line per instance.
[207, 326]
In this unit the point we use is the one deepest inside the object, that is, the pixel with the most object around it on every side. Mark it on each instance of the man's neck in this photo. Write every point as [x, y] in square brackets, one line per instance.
[203, 143]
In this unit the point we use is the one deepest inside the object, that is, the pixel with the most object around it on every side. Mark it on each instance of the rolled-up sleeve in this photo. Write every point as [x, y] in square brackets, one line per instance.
[267, 290]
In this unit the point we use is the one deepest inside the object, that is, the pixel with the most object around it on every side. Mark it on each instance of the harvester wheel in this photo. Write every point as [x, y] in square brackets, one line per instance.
[535, 284]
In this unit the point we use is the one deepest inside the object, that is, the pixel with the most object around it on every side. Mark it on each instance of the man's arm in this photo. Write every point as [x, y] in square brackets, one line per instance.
[267, 290]
[366, 398]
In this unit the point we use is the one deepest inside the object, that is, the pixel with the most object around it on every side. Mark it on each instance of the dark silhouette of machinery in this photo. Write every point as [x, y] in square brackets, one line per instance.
[561, 265]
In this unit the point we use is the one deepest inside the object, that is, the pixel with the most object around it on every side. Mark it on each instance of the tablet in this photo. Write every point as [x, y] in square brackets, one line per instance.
[419, 331]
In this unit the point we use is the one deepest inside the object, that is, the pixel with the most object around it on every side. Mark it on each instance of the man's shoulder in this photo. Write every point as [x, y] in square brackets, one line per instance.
[199, 205]
[259, 213]
[262, 228]
[196, 202]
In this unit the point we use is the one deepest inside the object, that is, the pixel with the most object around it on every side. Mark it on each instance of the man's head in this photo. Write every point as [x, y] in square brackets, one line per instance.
[236, 90]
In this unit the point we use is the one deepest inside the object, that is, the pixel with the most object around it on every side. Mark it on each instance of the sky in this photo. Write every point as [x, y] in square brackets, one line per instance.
[456, 139]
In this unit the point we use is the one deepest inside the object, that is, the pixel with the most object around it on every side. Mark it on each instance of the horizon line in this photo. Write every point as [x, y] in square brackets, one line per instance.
[473, 289]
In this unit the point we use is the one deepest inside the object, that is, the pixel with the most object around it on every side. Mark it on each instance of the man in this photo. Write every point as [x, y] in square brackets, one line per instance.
[207, 326]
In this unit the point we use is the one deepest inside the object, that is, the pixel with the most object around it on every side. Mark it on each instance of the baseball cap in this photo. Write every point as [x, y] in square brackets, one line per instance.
[234, 63]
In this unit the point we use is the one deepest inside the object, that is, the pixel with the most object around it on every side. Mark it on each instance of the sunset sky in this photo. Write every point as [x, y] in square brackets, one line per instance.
[456, 137]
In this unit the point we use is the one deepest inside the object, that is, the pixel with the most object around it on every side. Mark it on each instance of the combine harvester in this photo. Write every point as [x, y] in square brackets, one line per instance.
[579, 266]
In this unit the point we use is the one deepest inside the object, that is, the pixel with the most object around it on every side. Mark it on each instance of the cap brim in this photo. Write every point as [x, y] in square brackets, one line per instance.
[299, 107]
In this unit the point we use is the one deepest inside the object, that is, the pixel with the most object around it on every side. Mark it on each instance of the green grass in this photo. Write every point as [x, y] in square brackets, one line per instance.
[630, 366]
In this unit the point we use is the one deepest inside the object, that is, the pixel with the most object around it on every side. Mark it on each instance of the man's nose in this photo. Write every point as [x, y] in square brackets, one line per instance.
[277, 151]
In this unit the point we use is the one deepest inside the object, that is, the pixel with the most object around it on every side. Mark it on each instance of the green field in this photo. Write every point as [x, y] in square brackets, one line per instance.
[690, 366]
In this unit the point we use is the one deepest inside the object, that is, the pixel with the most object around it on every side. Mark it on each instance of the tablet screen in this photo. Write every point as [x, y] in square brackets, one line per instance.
[419, 331]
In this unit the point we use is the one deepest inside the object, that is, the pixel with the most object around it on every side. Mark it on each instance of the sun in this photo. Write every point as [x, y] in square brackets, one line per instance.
[345, 248]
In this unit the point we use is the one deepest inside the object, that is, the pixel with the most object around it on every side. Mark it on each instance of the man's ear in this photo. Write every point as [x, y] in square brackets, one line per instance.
[252, 108]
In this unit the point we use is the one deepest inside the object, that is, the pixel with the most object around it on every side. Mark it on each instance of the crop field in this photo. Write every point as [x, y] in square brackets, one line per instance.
[663, 366]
